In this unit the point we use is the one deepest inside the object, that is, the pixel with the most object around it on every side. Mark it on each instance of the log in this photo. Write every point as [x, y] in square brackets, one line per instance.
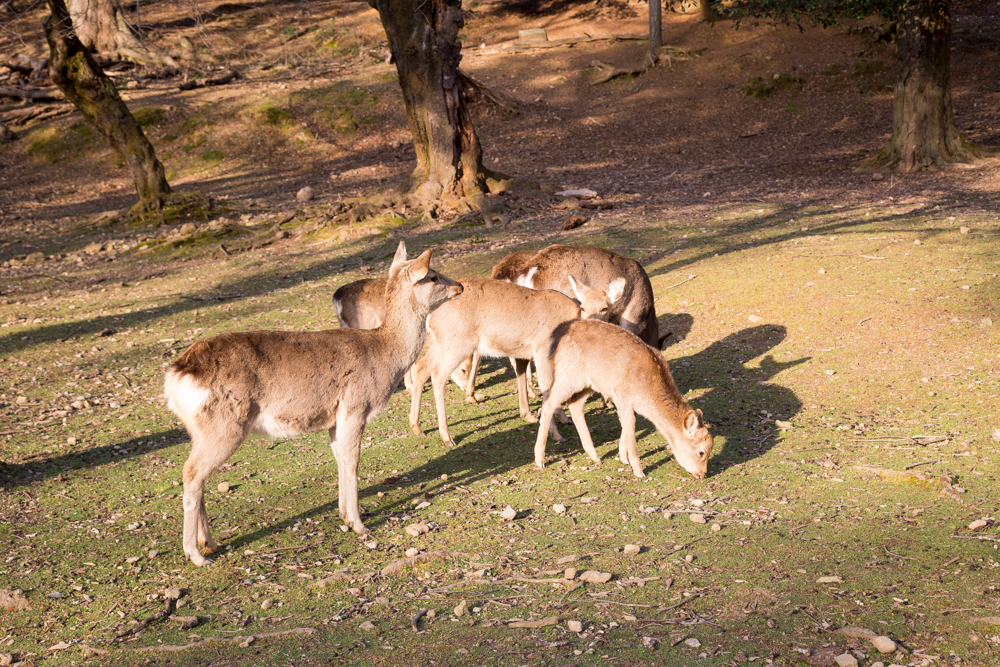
[35, 95]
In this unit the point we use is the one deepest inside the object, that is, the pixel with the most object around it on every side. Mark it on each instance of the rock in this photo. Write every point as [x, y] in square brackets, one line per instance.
[782, 425]
[21, 400]
[411, 552]
[559, 509]
[223, 487]
[697, 502]
[172, 593]
[830, 580]
[462, 607]
[188, 228]
[71, 440]
[995, 435]
[574, 626]
[696, 518]
[569, 574]
[877, 176]
[884, 644]
[822, 270]
[34, 258]
[964, 230]
[651, 643]
[185, 621]
[595, 577]
[367, 626]
[846, 660]
[568, 559]
[689, 558]
[830, 372]
[716, 527]
[305, 194]
[6, 659]
[978, 524]
[152, 553]
[417, 529]
[508, 513]
[574, 221]
[632, 549]
[692, 642]
[754, 319]
[372, 545]
[422, 506]
[266, 604]
[856, 633]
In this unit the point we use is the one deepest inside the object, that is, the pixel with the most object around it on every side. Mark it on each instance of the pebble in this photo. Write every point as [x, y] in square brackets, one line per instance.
[964, 230]
[172, 593]
[266, 604]
[568, 559]
[508, 513]
[632, 549]
[978, 524]
[223, 487]
[689, 558]
[884, 644]
[697, 502]
[574, 626]
[412, 551]
[188, 228]
[422, 506]
[716, 527]
[305, 194]
[755, 318]
[71, 440]
[367, 626]
[559, 509]
[595, 577]
[417, 529]
[846, 660]
[21, 400]
[831, 372]
[697, 518]
[371, 545]
[692, 642]
[569, 574]
[462, 607]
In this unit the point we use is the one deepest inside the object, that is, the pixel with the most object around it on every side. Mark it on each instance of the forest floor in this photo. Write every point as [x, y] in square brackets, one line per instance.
[860, 311]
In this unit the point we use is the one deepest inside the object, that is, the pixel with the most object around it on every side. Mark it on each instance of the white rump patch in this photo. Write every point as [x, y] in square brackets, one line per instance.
[185, 395]
[269, 426]
[528, 279]
[339, 307]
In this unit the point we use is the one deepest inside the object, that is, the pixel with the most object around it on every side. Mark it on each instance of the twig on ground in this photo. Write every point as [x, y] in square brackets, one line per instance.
[921, 463]
[679, 604]
[224, 640]
[416, 619]
[167, 610]
[896, 555]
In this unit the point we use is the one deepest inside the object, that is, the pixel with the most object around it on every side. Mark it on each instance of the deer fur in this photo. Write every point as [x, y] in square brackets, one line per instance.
[282, 383]
[361, 304]
[587, 356]
[494, 318]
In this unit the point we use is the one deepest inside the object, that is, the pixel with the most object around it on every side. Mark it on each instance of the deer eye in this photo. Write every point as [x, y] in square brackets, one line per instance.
[701, 454]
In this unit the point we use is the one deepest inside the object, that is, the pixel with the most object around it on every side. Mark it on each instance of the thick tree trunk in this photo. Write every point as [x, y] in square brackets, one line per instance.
[74, 71]
[423, 38]
[102, 28]
[706, 10]
[655, 28]
[924, 133]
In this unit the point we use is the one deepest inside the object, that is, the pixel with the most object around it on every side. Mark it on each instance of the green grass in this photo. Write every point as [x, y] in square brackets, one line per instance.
[912, 353]
[59, 142]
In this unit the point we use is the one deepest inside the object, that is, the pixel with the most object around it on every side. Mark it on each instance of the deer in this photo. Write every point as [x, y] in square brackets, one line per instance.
[284, 383]
[497, 319]
[587, 356]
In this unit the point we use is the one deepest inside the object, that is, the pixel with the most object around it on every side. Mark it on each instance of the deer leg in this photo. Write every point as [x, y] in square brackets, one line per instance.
[628, 452]
[207, 454]
[520, 370]
[543, 369]
[543, 428]
[346, 445]
[470, 385]
[419, 374]
[440, 383]
[576, 409]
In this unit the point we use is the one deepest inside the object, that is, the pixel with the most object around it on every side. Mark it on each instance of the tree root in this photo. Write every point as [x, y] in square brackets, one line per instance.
[487, 94]
[167, 610]
[241, 641]
[667, 54]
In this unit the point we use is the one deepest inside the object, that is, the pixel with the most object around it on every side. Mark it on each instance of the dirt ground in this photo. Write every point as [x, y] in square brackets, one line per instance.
[678, 139]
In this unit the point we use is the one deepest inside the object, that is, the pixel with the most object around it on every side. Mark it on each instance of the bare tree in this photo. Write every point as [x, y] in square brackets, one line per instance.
[102, 27]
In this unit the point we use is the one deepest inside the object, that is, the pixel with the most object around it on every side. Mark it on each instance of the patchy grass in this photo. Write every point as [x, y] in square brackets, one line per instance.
[60, 142]
[832, 320]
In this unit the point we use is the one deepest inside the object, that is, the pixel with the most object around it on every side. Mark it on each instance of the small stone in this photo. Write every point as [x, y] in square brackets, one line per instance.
[305, 194]
[652, 643]
[21, 400]
[830, 580]
[188, 228]
[508, 513]
[422, 506]
[878, 177]
[632, 549]
[444, 478]
[995, 435]
[964, 230]
[978, 524]
[71, 440]
[918, 242]
[782, 425]
[411, 552]
[668, 515]
[697, 518]
[371, 545]
[417, 529]
[172, 593]
[822, 270]
[697, 502]
[689, 558]
[754, 319]
[344, 528]
[569, 573]
[716, 527]
[884, 644]
[223, 487]
[846, 660]
[830, 372]
[266, 604]
[462, 607]
[692, 642]
[559, 509]
[186, 622]
[35, 258]
[595, 577]
[574, 626]
[367, 626]
[568, 559]
[431, 613]
[282, 234]
[6, 659]
[132, 559]
[246, 642]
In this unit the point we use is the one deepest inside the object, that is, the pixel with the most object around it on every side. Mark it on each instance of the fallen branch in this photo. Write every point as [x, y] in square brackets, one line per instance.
[572, 41]
[679, 604]
[985, 538]
[416, 619]
[35, 95]
[489, 95]
[922, 463]
[667, 53]
[167, 611]
[398, 566]
[224, 640]
[232, 75]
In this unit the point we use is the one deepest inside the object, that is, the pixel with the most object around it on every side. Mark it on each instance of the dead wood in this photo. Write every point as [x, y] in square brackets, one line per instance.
[667, 54]
[166, 612]
[224, 640]
[228, 77]
[416, 620]
[35, 95]
[571, 41]
[488, 95]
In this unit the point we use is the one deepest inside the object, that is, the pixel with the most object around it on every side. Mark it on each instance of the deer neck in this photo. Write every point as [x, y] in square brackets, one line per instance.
[401, 336]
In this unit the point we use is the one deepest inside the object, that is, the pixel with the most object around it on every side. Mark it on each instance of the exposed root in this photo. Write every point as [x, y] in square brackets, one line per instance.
[241, 641]
[667, 54]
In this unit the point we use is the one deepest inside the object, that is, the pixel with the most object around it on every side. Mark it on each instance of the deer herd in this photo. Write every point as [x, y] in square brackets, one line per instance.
[583, 316]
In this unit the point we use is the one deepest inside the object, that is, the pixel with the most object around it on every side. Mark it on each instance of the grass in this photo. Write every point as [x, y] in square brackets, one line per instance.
[833, 319]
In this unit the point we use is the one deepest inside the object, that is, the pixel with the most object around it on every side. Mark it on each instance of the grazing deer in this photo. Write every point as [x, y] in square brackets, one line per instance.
[497, 319]
[283, 383]
[361, 304]
[551, 267]
[585, 357]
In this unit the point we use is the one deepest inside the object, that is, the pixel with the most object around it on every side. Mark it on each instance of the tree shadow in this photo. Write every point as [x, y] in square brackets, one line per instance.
[40, 468]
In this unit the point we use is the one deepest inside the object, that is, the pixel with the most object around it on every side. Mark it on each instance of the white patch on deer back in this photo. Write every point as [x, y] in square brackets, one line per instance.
[185, 395]
[270, 426]
[528, 279]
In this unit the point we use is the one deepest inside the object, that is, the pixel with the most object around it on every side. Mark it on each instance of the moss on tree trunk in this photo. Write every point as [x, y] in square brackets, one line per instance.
[423, 38]
[85, 85]
[924, 133]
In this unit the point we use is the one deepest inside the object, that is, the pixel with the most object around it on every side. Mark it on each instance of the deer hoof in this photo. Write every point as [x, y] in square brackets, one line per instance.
[359, 528]
[416, 429]
[530, 418]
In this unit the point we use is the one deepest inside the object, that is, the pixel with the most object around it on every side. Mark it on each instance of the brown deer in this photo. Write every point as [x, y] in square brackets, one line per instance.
[587, 356]
[283, 383]
[361, 304]
[497, 319]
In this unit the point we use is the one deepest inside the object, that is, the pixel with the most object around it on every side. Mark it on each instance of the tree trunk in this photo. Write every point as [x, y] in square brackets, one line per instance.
[423, 38]
[707, 13]
[655, 28]
[102, 28]
[74, 71]
[924, 133]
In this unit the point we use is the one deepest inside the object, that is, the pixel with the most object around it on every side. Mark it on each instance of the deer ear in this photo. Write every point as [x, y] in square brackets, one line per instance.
[420, 267]
[691, 423]
[576, 290]
[616, 289]
[400, 255]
